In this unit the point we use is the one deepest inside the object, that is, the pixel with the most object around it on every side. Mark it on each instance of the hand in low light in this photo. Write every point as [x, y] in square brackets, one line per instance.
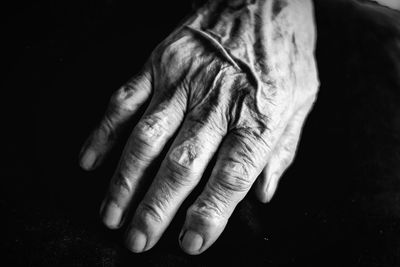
[237, 79]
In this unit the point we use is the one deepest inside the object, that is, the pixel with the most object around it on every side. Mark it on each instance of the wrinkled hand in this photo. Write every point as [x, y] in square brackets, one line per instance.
[237, 79]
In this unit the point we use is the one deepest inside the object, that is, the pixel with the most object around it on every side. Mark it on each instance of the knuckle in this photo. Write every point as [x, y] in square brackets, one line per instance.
[118, 96]
[107, 128]
[233, 181]
[122, 98]
[288, 156]
[206, 211]
[141, 81]
[150, 212]
[108, 124]
[149, 130]
[290, 147]
[288, 150]
[177, 179]
[162, 194]
[130, 95]
[121, 185]
[240, 164]
[184, 157]
[174, 51]
[251, 143]
[103, 134]
[135, 158]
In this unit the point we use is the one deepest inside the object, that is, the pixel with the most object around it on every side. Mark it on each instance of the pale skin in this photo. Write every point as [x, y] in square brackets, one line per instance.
[236, 80]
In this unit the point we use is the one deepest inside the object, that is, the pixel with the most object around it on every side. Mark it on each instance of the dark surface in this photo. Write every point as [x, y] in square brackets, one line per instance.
[338, 205]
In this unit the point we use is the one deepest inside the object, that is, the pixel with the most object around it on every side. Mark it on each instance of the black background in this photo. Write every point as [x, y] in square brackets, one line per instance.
[338, 205]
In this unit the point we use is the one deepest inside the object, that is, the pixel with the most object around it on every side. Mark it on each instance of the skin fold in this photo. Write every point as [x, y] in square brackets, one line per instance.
[236, 80]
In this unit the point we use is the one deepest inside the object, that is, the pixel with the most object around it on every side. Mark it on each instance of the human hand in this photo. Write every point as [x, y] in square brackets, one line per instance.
[237, 79]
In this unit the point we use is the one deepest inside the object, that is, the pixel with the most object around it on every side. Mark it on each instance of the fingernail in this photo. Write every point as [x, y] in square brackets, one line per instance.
[192, 241]
[88, 159]
[136, 241]
[111, 214]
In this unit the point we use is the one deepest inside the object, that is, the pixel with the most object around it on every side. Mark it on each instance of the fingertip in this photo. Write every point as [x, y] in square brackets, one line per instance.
[88, 159]
[201, 229]
[270, 192]
[111, 215]
[191, 242]
[260, 189]
[262, 196]
[136, 241]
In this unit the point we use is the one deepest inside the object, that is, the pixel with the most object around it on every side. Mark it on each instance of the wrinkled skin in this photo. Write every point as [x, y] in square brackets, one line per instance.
[238, 78]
